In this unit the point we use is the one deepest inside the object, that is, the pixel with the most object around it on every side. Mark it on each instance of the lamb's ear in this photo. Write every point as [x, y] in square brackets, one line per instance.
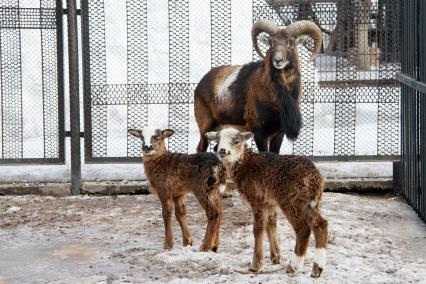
[264, 39]
[212, 136]
[166, 133]
[135, 132]
[246, 135]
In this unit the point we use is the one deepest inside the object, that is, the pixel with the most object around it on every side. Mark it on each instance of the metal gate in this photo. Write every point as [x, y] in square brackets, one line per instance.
[413, 104]
[32, 98]
[350, 103]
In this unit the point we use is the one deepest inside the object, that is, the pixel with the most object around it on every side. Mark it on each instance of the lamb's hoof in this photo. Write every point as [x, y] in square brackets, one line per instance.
[290, 269]
[316, 271]
[255, 266]
[214, 249]
[204, 247]
[168, 245]
[187, 242]
[275, 258]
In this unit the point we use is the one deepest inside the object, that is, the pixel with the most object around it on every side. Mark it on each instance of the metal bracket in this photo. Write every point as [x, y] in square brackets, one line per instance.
[65, 12]
[68, 134]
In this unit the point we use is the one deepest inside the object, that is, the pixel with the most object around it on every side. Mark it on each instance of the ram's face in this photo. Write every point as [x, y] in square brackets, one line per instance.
[282, 48]
[152, 139]
[230, 143]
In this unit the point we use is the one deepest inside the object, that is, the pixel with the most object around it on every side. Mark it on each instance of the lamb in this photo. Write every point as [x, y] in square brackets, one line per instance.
[270, 181]
[173, 175]
[262, 97]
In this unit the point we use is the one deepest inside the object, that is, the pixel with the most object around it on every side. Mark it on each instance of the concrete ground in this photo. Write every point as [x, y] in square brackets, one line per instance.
[372, 239]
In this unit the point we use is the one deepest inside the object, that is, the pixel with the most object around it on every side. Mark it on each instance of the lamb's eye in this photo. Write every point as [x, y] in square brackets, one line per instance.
[235, 141]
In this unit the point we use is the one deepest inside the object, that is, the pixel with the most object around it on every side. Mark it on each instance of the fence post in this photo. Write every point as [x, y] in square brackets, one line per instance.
[74, 97]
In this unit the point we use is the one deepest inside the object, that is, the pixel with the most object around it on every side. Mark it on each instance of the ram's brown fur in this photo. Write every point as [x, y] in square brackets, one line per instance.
[261, 97]
[241, 110]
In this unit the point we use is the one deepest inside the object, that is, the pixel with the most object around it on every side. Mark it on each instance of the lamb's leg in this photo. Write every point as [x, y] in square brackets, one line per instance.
[166, 203]
[260, 216]
[211, 204]
[216, 204]
[302, 241]
[180, 213]
[271, 230]
[207, 241]
[319, 227]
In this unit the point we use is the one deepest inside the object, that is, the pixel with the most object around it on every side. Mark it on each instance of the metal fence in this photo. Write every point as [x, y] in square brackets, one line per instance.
[32, 99]
[140, 70]
[142, 61]
[413, 104]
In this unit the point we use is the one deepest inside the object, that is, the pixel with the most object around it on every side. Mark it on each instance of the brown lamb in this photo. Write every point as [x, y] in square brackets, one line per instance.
[269, 181]
[173, 175]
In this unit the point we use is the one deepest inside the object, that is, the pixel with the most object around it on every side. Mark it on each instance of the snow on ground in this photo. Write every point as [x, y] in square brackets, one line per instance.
[373, 239]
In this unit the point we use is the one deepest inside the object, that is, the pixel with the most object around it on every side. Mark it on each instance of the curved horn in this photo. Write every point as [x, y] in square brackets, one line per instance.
[298, 28]
[259, 27]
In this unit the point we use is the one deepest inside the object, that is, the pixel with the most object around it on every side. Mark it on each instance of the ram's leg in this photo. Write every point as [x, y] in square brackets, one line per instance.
[180, 213]
[261, 141]
[275, 142]
[205, 123]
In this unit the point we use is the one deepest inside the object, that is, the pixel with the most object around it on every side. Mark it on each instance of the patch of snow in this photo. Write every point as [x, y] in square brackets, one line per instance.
[13, 209]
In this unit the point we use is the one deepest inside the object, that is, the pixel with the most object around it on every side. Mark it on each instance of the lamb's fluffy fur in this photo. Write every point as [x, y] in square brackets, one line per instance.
[173, 175]
[269, 181]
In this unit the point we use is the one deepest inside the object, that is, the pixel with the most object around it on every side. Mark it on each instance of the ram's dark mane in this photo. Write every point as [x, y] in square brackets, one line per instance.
[291, 117]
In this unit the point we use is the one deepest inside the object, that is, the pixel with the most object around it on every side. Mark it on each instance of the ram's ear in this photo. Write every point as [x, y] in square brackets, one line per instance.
[135, 132]
[265, 39]
[212, 136]
[166, 133]
[246, 136]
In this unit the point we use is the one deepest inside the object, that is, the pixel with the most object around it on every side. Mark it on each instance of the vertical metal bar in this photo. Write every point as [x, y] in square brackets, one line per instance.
[60, 76]
[87, 109]
[74, 97]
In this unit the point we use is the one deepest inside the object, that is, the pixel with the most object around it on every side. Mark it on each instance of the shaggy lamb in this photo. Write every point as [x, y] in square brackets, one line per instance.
[269, 181]
[173, 175]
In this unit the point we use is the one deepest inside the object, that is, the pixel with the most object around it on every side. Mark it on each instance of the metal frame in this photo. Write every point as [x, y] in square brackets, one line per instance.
[60, 88]
[413, 105]
[74, 97]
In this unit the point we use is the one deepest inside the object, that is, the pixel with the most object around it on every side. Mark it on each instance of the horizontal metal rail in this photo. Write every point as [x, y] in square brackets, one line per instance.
[410, 82]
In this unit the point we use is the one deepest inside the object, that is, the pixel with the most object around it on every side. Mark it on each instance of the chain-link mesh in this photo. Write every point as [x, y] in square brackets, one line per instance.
[350, 102]
[32, 115]
[354, 73]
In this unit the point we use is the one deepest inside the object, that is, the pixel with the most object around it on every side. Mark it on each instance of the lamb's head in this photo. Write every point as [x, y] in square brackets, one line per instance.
[282, 41]
[231, 143]
[152, 139]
